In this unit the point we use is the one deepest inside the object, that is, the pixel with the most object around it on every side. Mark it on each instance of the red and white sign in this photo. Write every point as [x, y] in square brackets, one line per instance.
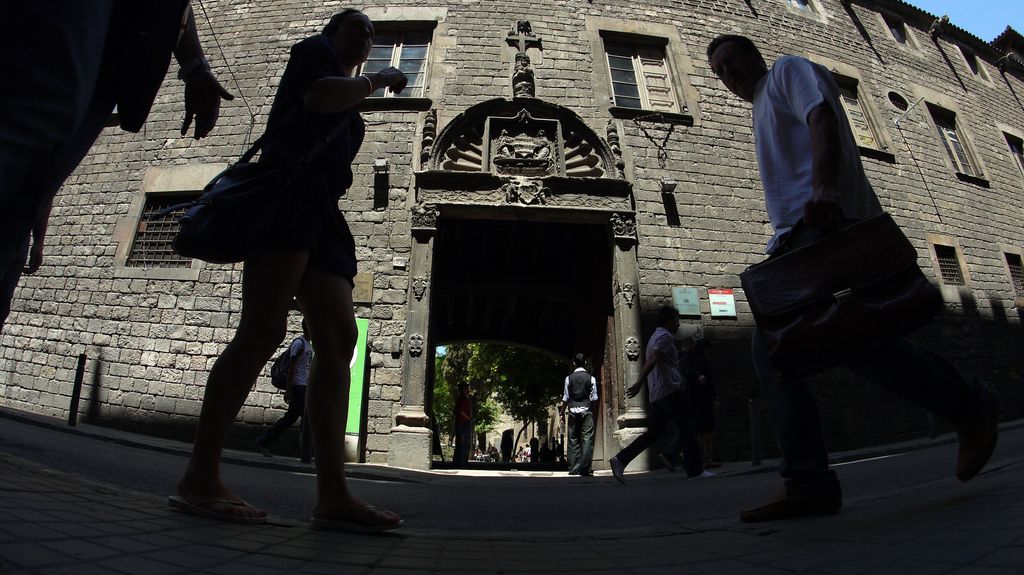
[723, 304]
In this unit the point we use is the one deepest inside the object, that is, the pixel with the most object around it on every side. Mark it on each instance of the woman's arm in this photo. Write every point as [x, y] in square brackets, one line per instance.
[336, 94]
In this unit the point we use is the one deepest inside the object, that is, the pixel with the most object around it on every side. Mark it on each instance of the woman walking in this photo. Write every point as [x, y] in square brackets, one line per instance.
[309, 255]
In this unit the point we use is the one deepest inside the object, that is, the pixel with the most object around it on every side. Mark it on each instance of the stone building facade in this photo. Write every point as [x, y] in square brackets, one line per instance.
[559, 169]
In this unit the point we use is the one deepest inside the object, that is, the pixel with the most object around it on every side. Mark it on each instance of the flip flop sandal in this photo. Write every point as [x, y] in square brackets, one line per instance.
[214, 508]
[353, 525]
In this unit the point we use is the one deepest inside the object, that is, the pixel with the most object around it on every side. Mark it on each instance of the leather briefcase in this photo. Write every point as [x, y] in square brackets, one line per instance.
[824, 303]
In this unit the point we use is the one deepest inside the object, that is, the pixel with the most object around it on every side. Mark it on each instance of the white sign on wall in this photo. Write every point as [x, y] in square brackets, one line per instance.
[723, 304]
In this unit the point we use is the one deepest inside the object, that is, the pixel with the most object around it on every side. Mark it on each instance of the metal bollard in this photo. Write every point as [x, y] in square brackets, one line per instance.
[755, 431]
[306, 439]
[76, 391]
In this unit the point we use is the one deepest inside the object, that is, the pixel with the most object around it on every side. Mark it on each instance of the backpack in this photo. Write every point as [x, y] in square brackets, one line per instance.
[283, 365]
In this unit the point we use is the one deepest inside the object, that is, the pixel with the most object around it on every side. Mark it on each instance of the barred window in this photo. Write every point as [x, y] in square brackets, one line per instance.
[949, 265]
[407, 51]
[1016, 267]
[151, 247]
[640, 77]
[953, 142]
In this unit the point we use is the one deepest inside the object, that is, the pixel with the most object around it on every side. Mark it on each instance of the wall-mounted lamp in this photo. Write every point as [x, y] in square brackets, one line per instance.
[381, 166]
[668, 186]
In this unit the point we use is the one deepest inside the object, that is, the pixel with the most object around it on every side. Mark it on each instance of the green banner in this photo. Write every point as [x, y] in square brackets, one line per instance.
[357, 367]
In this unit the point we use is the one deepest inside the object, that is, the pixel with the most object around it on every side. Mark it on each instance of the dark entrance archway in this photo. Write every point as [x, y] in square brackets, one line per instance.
[539, 284]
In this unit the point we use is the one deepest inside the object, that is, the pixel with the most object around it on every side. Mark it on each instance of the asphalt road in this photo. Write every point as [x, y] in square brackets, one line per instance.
[544, 507]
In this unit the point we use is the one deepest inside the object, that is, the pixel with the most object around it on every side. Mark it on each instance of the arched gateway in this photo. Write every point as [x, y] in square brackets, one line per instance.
[523, 231]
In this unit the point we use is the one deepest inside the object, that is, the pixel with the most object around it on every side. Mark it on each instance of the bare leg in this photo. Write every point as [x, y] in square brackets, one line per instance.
[326, 302]
[269, 281]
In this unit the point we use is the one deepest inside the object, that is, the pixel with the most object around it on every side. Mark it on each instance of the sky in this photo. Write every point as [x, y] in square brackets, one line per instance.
[985, 19]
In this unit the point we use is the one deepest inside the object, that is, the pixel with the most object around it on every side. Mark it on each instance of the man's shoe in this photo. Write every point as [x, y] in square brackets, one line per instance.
[703, 475]
[711, 464]
[667, 462]
[263, 450]
[617, 469]
[802, 501]
[978, 436]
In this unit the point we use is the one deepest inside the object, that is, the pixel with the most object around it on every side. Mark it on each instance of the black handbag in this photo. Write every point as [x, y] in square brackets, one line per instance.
[825, 303]
[239, 205]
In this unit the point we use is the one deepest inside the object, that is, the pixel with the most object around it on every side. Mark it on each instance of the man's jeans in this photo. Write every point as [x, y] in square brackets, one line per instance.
[897, 365]
[672, 408]
[581, 442]
[296, 409]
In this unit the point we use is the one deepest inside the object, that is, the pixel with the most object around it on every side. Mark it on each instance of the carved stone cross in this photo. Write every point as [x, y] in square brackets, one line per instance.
[523, 38]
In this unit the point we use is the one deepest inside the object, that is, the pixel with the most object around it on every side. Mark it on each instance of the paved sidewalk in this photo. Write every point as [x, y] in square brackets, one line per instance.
[52, 522]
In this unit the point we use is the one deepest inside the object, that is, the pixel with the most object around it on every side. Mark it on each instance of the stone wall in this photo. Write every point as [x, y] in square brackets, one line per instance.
[152, 335]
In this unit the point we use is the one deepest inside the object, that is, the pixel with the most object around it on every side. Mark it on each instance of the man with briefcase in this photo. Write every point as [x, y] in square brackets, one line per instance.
[839, 274]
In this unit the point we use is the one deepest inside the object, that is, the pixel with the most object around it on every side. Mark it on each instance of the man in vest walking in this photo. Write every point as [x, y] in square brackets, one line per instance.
[580, 397]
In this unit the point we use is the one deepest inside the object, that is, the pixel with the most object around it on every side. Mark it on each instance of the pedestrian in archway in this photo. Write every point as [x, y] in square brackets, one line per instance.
[463, 426]
[579, 398]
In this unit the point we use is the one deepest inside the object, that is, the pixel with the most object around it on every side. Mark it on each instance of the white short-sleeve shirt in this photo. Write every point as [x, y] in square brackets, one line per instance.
[782, 102]
[665, 377]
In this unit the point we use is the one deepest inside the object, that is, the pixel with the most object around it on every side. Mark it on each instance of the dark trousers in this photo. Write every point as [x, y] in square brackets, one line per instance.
[463, 442]
[296, 409]
[581, 442]
[673, 408]
[897, 365]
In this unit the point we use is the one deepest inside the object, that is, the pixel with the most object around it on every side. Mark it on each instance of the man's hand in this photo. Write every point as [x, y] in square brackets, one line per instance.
[634, 389]
[824, 215]
[391, 78]
[203, 94]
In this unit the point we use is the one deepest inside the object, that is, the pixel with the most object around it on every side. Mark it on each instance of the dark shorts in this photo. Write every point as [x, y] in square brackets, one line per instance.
[310, 220]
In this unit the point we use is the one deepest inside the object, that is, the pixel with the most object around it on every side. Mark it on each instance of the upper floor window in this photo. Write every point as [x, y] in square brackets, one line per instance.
[973, 64]
[1015, 266]
[954, 143]
[897, 28]
[640, 77]
[864, 131]
[405, 50]
[1016, 146]
[800, 4]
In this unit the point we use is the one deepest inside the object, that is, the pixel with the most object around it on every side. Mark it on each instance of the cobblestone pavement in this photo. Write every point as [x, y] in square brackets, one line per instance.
[54, 522]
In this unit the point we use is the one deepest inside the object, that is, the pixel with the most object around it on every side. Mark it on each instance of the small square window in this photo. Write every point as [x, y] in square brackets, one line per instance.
[897, 29]
[406, 50]
[800, 4]
[1016, 146]
[973, 64]
[1016, 267]
[949, 265]
[640, 77]
[953, 142]
[151, 246]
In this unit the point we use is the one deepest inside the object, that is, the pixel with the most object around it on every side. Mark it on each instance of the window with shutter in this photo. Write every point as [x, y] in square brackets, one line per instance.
[640, 78]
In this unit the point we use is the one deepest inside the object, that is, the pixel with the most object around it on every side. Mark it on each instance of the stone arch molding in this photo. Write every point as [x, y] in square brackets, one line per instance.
[522, 137]
[526, 152]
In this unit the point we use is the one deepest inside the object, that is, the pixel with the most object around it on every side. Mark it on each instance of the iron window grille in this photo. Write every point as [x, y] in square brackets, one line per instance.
[1016, 266]
[949, 266]
[640, 77]
[407, 51]
[151, 247]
